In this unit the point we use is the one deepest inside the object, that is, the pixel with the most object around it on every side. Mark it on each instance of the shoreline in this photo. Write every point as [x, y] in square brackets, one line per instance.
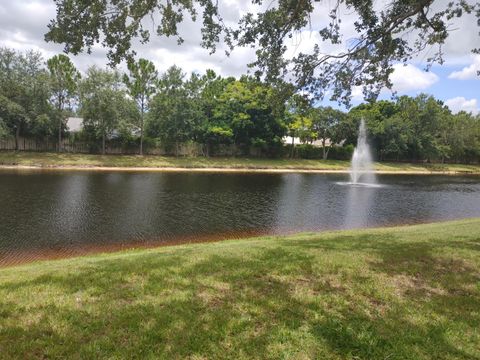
[35, 256]
[212, 169]
[158, 163]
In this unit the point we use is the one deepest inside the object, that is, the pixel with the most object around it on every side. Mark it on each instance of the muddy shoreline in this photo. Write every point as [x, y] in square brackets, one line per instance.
[226, 170]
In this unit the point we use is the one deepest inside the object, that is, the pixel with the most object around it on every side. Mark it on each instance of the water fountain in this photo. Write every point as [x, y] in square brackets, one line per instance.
[362, 179]
[361, 170]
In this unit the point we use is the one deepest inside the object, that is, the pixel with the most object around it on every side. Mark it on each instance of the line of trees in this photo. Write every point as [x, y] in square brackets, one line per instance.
[143, 107]
[417, 128]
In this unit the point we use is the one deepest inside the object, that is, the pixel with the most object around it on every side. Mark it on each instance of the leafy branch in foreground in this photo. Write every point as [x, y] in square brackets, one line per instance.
[393, 32]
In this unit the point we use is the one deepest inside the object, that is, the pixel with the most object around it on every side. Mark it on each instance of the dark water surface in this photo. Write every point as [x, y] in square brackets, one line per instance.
[55, 214]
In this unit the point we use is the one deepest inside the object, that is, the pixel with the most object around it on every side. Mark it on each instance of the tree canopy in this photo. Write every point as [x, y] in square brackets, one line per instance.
[389, 32]
[101, 99]
[64, 79]
[141, 86]
[217, 115]
[24, 93]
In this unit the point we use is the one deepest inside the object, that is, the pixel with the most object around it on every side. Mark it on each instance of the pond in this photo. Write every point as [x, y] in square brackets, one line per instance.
[48, 214]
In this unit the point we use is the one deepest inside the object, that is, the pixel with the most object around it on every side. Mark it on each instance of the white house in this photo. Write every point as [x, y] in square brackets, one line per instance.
[317, 143]
[288, 140]
[74, 124]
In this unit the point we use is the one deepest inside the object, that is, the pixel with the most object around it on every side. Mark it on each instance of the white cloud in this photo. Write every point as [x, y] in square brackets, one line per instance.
[409, 77]
[23, 24]
[459, 103]
[357, 93]
[404, 78]
[468, 72]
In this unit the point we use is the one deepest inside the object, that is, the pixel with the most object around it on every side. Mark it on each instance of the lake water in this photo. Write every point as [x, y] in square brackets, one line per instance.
[45, 214]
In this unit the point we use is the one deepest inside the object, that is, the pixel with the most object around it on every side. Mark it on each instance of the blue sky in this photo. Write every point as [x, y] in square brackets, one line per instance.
[23, 24]
[459, 94]
[447, 88]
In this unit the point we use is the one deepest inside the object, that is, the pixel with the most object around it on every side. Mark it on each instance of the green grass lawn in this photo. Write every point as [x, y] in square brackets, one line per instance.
[392, 293]
[55, 159]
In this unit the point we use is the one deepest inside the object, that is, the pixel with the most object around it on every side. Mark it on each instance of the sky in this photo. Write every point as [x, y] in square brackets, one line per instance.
[23, 24]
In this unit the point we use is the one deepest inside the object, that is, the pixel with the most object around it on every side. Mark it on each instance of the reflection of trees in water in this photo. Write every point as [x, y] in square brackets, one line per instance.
[75, 210]
[70, 211]
[198, 204]
[309, 202]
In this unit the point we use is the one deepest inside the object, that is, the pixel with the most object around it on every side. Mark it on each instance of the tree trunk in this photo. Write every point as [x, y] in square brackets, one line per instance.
[103, 144]
[60, 134]
[292, 152]
[17, 137]
[207, 149]
[60, 121]
[141, 137]
[141, 129]
[60, 107]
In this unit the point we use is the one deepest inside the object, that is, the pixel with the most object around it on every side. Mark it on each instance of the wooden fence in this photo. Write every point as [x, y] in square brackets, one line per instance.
[27, 144]
[75, 146]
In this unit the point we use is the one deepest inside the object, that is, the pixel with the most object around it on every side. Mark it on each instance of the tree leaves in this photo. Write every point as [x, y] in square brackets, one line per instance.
[395, 32]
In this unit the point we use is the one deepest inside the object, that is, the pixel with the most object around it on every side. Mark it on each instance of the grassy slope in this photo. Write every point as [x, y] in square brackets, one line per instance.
[393, 293]
[54, 159]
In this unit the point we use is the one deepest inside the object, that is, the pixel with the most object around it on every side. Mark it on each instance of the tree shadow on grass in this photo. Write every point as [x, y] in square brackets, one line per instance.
[424, 277]
[266, 302]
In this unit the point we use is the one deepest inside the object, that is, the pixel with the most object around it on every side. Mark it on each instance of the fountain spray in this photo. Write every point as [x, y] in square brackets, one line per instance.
[362, 165]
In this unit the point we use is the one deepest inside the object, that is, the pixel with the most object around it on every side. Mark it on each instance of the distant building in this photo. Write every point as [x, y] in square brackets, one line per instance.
[74, 124]
[287, 140]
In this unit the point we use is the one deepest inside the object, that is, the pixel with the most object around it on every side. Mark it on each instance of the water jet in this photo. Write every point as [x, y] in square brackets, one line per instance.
[361, 169]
